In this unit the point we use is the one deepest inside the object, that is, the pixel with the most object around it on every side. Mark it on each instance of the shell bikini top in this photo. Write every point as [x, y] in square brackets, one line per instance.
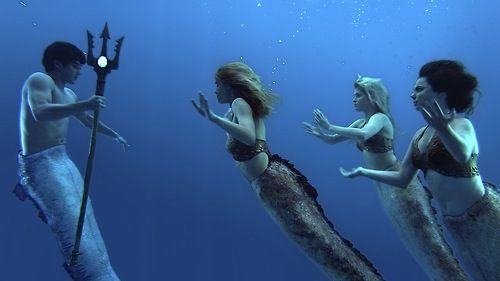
[437, 158]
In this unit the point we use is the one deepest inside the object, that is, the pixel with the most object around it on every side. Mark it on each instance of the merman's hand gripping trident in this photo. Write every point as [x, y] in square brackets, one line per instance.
[102, 66]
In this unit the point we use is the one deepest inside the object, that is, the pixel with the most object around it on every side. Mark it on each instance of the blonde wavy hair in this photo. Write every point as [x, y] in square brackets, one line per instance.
[376, 92]
[247, 85]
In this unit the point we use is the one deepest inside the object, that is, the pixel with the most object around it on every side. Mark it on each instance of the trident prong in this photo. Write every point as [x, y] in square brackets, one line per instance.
[90, 53]
[105, 37]
[118, 47]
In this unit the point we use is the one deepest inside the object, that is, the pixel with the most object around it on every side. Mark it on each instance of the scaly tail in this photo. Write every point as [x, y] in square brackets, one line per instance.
[291, 201]
[411, 213]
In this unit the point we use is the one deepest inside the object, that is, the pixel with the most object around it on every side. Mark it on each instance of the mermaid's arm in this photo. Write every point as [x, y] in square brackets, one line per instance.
[333, 138]
[329, 138]
[395, 178]
[244, 130]
[400, 178]
[374, 125]
[457, 134]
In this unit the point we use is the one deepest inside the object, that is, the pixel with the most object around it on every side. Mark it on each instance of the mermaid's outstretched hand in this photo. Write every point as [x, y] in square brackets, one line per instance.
[203, 107]
[313, 130]
[352, 173]
[321, 119]
[435, 117]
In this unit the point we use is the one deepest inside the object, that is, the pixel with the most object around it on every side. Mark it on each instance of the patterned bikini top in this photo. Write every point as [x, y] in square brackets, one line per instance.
[242, 152]
[376, 144]
[438, 159]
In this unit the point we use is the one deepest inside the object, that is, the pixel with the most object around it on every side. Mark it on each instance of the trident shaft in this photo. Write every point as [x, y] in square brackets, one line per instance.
[102, 66]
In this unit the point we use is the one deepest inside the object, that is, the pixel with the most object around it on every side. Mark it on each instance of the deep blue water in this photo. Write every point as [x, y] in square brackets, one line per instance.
[174, 207]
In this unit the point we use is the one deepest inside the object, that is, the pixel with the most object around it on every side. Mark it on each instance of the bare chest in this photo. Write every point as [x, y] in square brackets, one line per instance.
[62, 96]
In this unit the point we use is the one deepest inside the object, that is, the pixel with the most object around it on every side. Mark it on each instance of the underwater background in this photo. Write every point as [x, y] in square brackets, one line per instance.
[174, 207]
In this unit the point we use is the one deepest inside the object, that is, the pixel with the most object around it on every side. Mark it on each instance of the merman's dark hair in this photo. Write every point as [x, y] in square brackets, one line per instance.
[64, 52]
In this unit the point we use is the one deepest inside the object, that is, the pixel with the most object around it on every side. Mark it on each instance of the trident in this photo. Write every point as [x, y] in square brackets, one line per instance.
[102, 66]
